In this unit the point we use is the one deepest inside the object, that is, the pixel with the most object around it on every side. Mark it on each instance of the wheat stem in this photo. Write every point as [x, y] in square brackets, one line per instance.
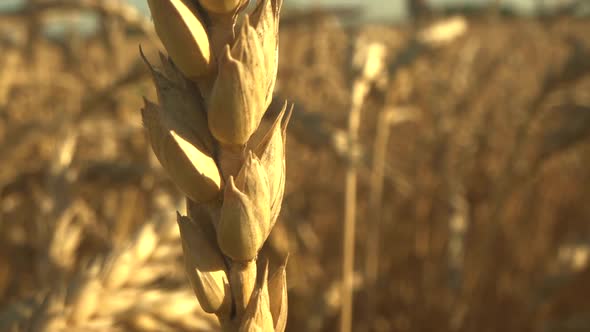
[368, 61]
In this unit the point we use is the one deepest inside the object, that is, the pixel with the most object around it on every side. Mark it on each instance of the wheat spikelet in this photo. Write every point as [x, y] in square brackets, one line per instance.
[208, 134]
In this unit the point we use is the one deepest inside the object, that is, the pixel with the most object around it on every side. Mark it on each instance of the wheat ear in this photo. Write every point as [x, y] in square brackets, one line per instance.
[214, 88]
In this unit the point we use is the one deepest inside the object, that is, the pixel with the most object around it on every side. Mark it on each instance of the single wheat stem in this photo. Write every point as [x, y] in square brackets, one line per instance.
[207, 131]
[369, 62]
[359, 92]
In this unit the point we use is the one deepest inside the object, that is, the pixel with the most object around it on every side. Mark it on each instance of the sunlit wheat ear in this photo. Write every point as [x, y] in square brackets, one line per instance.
[214, 88]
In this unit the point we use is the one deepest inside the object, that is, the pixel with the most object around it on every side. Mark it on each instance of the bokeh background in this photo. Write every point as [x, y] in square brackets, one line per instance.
[473, 165]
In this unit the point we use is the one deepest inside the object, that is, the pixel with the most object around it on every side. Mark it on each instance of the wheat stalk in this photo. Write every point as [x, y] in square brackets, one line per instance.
[368, 62]
[213, 88]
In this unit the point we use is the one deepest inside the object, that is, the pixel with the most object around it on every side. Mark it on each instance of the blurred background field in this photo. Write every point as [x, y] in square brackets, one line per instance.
[473, 161]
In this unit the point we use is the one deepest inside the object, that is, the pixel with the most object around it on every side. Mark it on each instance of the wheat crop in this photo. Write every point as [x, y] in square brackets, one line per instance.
[115, 292]
[214, 88]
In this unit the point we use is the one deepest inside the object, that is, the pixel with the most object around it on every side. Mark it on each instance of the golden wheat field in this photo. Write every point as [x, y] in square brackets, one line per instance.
[471, 168]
